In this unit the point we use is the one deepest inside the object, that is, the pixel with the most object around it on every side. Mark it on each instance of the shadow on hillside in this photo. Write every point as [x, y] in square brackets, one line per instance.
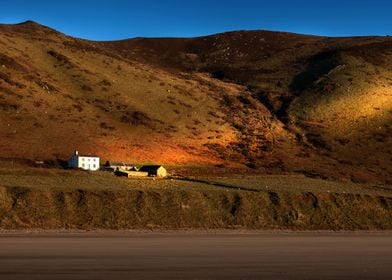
[318, 65]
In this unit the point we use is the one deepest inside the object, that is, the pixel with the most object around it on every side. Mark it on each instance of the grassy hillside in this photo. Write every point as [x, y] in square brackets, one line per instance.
[65, 93]
[273, 102]
[50, 199]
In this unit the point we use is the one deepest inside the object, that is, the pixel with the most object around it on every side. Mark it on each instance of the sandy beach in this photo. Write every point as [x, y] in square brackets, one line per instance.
[189, 254]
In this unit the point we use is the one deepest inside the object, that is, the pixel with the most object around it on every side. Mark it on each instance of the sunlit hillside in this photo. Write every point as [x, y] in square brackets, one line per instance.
[257, 100]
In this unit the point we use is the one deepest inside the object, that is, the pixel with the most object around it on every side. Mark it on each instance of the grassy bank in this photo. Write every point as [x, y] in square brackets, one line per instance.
[53, 199]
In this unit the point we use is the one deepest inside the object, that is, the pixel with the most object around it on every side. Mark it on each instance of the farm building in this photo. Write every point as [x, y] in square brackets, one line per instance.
[86, 162]
[154, 170]
[113, 166]
[129, 174]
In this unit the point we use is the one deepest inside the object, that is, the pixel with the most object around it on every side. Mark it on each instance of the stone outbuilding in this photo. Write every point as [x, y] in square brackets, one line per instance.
[154, 170]
[129, 174]
[113, 166]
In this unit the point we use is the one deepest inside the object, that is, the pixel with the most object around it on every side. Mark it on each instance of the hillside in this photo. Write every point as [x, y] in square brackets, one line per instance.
[268, 101]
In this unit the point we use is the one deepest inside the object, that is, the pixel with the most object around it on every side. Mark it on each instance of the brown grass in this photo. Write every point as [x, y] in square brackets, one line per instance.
[275, 102]
[51, 199]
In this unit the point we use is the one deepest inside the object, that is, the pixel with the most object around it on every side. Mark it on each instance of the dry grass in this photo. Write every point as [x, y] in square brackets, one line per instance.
[53, 199]
[298, 184]
[37, 178]
[73, 90]
[274, 102]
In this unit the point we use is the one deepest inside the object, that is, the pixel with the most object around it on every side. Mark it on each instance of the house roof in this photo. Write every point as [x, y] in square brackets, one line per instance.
[149, 168]
[87, 155]
[76, 153]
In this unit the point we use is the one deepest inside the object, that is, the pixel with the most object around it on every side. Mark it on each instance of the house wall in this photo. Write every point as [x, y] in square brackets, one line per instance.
[131, 173]
[137, 174]
[161, 172]
[88, 163]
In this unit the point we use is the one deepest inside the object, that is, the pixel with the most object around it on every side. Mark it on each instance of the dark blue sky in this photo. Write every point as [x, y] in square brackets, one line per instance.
[120, 19]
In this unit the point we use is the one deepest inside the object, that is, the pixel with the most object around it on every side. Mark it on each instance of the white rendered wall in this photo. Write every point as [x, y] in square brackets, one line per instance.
[88, 163]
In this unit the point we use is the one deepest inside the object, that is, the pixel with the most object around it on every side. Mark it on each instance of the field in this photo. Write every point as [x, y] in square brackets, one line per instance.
[295, 184]
[61, 199]
[56, 179]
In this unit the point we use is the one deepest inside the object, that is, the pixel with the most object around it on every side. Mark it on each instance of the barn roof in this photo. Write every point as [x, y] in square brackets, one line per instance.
[149, 168]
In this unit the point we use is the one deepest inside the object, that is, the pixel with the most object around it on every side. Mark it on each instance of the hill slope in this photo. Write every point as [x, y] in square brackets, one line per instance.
[266, 100]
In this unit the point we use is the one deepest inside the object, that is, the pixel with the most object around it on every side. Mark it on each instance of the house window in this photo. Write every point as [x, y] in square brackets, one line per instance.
[82, 159]
[88, 159]
[94, 165]
[82, 164]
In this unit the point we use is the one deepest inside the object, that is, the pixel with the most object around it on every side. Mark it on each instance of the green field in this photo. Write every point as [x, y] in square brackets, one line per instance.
[61, 199]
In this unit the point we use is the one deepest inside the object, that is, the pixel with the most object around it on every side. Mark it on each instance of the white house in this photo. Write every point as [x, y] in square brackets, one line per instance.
[86, 162]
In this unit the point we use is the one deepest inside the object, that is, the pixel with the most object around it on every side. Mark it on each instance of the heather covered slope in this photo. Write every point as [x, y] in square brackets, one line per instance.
[333, 94]
[271, 101]
[62, 93]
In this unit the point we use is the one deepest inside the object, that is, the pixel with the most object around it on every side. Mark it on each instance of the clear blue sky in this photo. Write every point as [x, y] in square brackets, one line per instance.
[120, 19]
